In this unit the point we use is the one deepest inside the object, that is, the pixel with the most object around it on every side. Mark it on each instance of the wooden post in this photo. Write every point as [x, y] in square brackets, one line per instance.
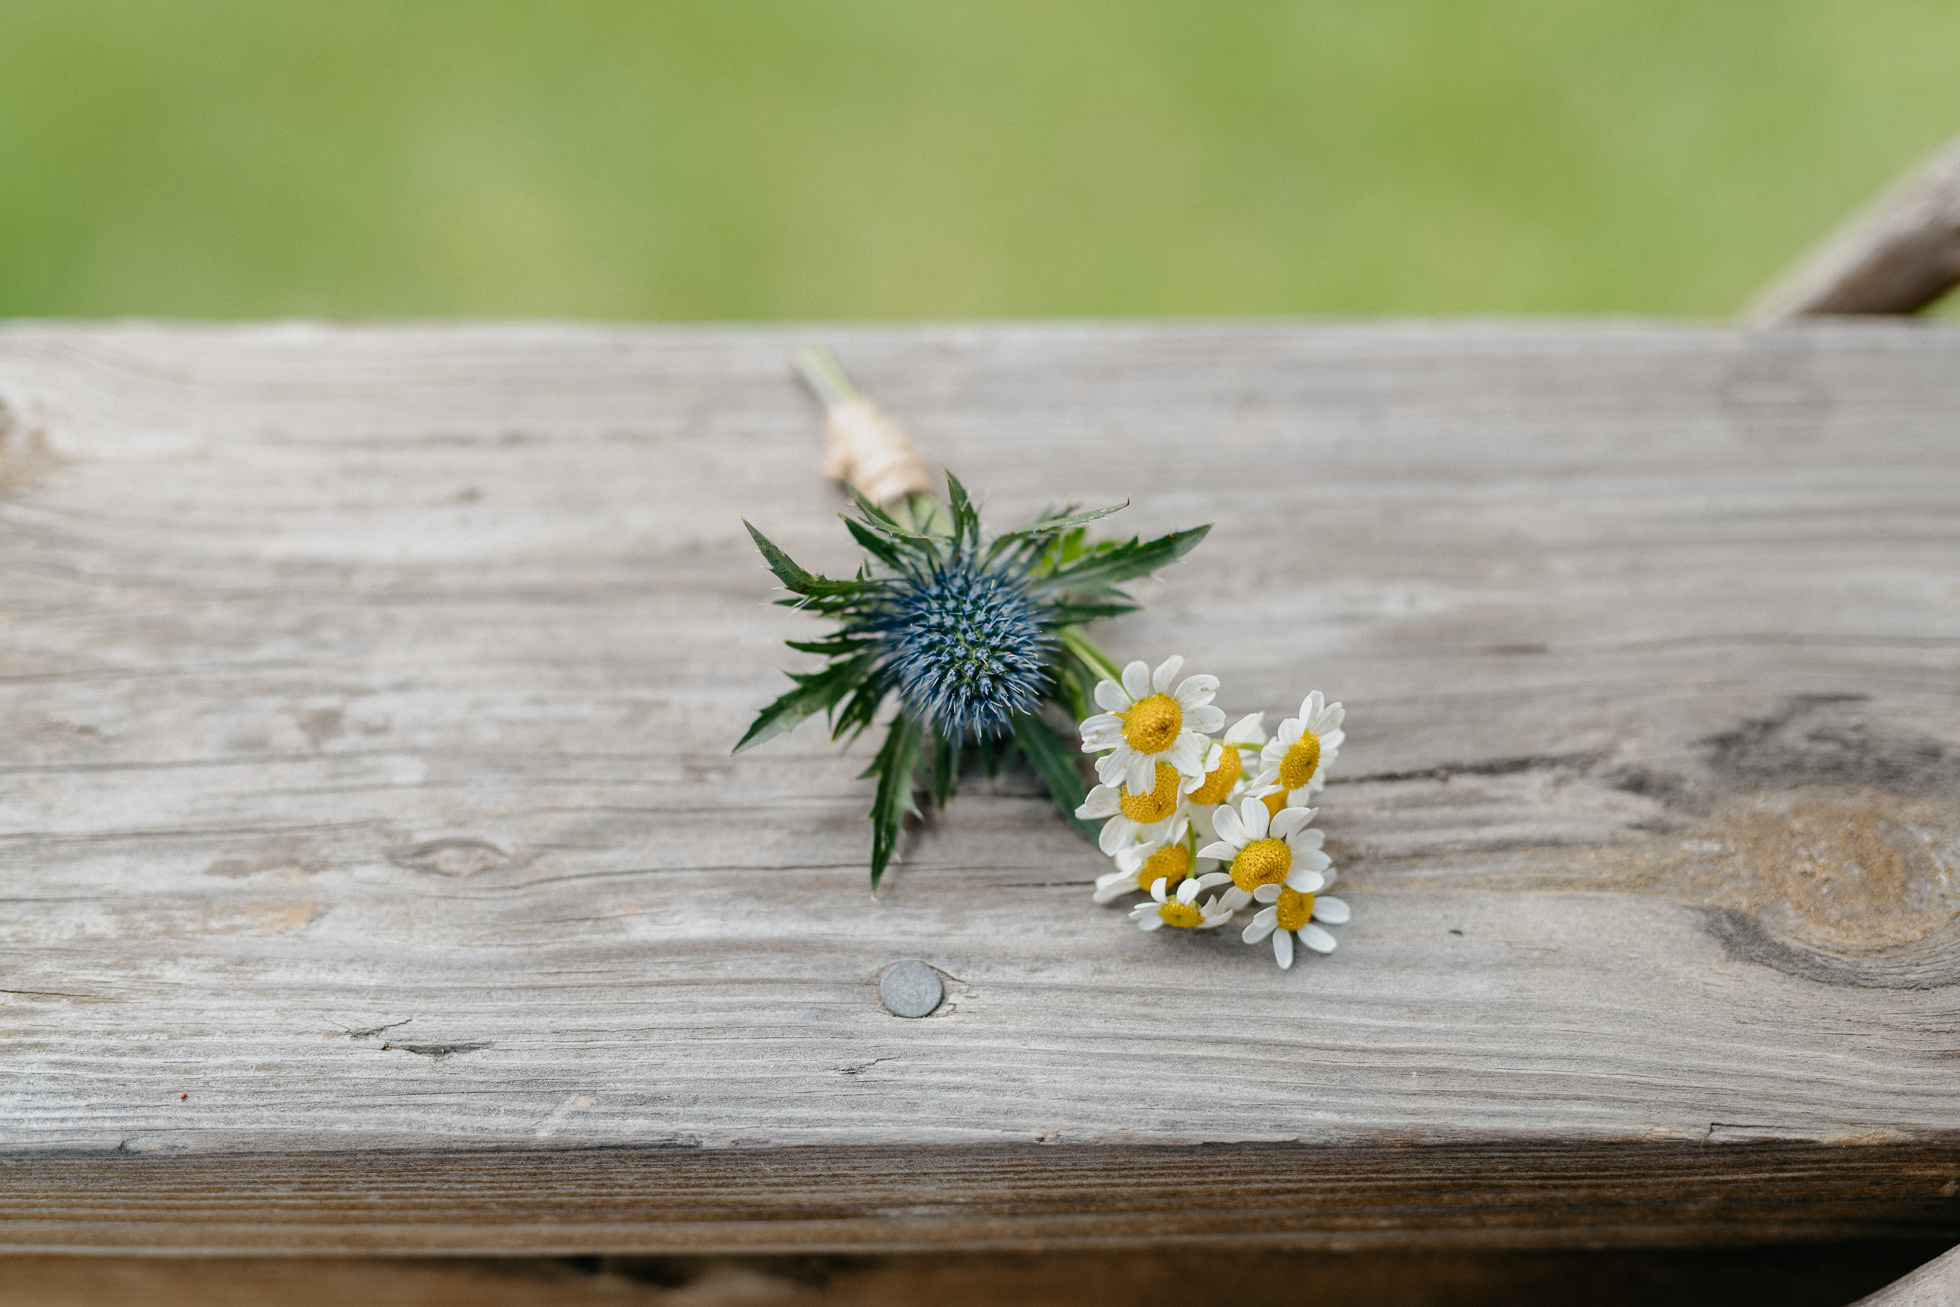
[1898, 255]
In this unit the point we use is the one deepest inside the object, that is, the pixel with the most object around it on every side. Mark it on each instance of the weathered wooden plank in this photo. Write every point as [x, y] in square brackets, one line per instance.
[1898, 255]
[1936, 1284]
[367, 697]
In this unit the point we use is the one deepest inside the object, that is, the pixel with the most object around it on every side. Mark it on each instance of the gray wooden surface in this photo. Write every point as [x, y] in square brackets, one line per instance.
[376, 874]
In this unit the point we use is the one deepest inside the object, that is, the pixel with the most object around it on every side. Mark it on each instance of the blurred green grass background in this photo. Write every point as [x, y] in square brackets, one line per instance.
[742, 159]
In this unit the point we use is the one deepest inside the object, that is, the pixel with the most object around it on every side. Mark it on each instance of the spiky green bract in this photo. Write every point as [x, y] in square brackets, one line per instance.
[974, 640]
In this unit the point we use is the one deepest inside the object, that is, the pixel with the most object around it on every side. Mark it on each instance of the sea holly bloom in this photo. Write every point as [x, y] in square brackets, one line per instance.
[1182, 908]
[1145, 723]
[1290, 914]
[1262, 849]
[1136, 816]
[1297, 757]
[959, 645]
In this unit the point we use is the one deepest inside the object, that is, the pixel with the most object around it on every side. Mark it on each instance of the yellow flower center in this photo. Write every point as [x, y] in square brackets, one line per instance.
[1170, 865]
[1220, 779]
[1156, 805]
[1274, 802]
[1181, 914]
[1295, 910]
[1301, 761]
[1151, 726]
[1262, 862]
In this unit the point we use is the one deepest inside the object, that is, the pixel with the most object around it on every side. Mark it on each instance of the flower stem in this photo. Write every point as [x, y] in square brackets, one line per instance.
[1089, 652]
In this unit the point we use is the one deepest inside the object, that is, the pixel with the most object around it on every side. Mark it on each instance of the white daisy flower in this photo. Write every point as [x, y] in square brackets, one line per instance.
[1140, 866]
[1291, 914]
[1303, 748]
[1225, 770]
[1182, 909]
[1137, 817]
[1264, 849]
[1145, 723]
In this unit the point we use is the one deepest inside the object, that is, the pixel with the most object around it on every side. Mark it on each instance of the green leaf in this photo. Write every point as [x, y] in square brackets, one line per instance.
[1048, 526]
[884, 550]
[815, 692]
[966, 518]
[893, 767]
[1058, 768]
[1108, 567]
[843, 644]
[795, 578]
[882, 522]
[860, 709]
[945, 766]
[1069, 614]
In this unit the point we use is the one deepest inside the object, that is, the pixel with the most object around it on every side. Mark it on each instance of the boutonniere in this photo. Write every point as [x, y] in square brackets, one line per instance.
[961, 645]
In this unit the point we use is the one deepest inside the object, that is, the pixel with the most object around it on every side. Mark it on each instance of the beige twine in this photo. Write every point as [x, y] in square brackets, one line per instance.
[867, 449]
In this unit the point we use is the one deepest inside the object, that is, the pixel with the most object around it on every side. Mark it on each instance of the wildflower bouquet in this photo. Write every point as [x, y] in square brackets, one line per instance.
[978, 642]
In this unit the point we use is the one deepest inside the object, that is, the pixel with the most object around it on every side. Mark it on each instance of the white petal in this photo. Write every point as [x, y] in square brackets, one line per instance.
[1188, 890]
[1233, 899]
[1205, 719]
[1187, 754]
[1261, 927]
[1136, 681]
[1255, 818]
[1110, 767]
[1316, 939]
[1151, 922]
[1110, 696]
[1226, 822]
[1267, 893]
[1220, 850]
[1101, 728]
[1310, 838]
[1311, 705]
[1249, 729]
[1101, 802]
[1331, 910]
[1211, 878]
[1283, 948]
[1159, 888]
[1288, 822]
[1166, 672]
[1116, 832]
[1114, 886]
[1311, 859]
[1140, 777]
[1196, 691]
[1212, 757]
[1302, 881]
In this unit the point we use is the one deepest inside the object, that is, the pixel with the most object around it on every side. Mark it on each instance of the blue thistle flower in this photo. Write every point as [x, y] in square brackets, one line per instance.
[972, 639]
[967, 646]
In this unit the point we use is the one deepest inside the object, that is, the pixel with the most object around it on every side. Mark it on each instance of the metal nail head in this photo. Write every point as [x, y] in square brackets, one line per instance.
[911, 989]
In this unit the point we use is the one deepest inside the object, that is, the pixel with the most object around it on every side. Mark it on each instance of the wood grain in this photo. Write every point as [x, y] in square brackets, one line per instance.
[1897, 255]
[377, 875]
